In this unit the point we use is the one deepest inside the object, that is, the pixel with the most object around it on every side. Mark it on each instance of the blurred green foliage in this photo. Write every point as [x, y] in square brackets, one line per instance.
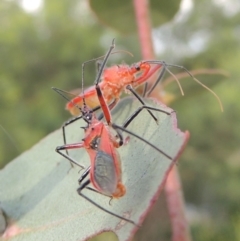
[47, 49]
[110, 16]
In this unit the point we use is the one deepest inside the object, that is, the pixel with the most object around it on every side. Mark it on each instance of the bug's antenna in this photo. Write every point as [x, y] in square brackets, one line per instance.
[188, 72]
[60, 92]
[179, 85]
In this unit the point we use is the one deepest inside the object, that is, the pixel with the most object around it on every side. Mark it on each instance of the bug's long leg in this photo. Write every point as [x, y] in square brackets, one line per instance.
[120, 136]
[84, 175]
[104, 62]
[98, 65]
[134, 115]
[101, 62]
[157, 81]
[101, 99]
[70, 146]
[142, 139]
[129, 87]
[72, 120]
[64, 126]
[110, 107]
[101, 66]
[104, 106]
[145, 90]
[84, 185]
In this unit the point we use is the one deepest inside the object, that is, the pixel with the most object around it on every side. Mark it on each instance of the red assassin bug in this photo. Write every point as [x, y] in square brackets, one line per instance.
[101, 145]
[115, 79]
[88, 101]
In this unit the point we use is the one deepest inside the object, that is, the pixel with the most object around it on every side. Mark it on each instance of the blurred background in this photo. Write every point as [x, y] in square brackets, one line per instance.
[44, 43]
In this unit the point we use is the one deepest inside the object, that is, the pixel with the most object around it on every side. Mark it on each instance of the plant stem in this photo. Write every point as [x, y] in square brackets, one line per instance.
[173, 189]
[175, 203]
[144, 28]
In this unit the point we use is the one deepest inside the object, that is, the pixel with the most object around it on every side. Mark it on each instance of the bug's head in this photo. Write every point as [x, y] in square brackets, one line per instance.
[87, 114]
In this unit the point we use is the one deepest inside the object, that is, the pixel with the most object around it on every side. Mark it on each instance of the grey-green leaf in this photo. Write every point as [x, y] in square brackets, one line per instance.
[38, 189]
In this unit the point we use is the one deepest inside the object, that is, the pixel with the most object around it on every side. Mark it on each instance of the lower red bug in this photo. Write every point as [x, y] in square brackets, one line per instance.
[101, 145]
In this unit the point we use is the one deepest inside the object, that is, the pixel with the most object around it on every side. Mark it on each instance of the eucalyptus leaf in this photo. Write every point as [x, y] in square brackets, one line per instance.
[38, 189]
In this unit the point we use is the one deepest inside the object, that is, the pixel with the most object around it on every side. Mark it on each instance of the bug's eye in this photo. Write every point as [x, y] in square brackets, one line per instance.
[137, 68]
